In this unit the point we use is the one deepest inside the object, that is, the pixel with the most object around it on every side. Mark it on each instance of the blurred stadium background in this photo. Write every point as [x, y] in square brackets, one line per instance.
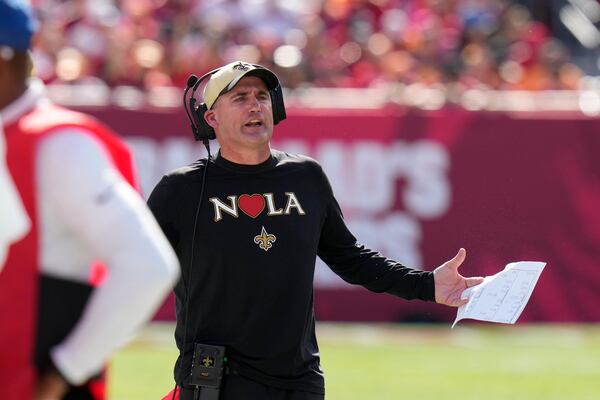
[441, 124]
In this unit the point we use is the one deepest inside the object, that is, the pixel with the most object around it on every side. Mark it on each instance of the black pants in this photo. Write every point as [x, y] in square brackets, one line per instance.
[236, 387]
[61, 304]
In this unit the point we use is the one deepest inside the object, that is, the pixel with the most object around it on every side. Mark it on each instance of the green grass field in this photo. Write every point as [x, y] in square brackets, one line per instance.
[472, 361]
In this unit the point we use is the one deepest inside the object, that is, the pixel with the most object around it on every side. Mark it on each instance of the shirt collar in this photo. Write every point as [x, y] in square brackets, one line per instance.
[35, 93]
[266, 165]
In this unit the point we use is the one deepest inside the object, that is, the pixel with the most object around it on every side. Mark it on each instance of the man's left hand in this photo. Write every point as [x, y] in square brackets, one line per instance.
[449, 284]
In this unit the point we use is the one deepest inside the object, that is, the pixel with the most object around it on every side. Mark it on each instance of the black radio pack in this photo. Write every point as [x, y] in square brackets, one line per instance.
[207, 370]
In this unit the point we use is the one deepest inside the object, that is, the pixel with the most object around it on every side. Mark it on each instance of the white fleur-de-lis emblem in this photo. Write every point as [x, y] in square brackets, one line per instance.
[264, 240]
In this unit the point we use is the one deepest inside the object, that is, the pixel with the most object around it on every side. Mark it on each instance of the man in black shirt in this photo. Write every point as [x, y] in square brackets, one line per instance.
[250, 232]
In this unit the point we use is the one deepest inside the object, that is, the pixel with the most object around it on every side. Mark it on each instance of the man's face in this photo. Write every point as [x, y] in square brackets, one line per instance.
[242, 118]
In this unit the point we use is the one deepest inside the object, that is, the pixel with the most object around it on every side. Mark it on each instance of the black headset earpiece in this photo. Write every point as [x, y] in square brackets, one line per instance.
[277, 105]
[204, 131]
[200, 128]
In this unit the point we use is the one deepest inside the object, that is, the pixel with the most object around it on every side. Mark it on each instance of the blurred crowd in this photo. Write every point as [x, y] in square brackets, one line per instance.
[492, 44]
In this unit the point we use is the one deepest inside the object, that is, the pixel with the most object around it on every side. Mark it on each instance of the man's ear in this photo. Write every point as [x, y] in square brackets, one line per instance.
[211, 118]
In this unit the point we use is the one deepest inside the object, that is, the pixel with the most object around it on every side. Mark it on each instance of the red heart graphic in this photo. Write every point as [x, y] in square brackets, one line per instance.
[252, 205]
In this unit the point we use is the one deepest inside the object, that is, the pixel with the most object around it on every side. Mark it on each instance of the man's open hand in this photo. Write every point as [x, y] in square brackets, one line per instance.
[449, 284]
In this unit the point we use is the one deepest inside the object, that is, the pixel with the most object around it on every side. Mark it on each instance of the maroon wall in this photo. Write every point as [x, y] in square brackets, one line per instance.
[505, 187]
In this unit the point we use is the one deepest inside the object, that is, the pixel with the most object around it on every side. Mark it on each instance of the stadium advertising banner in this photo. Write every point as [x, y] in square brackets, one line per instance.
[419, 185]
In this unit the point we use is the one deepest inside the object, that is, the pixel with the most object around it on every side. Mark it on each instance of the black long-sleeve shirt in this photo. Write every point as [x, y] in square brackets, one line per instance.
[260, 228]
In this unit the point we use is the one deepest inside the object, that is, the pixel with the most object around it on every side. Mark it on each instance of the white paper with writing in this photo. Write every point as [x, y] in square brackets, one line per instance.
[503, 296]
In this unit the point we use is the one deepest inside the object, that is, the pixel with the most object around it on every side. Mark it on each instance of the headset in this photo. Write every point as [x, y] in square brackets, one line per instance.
[203, 132]
[195, 112]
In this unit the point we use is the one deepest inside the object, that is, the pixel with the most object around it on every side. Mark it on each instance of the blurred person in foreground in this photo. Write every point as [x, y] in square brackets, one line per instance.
[76, 180]
[248, 263]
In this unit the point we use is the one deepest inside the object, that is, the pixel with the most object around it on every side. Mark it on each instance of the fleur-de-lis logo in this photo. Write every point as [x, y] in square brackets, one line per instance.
[208, 362]
[241, 66]
[264, 239]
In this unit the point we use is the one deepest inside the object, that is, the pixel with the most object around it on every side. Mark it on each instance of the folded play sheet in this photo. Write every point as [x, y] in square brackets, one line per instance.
[503, 296]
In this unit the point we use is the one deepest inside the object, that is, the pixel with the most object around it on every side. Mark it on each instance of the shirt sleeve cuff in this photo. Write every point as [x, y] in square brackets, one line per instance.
[67, 369]
[428, 293]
